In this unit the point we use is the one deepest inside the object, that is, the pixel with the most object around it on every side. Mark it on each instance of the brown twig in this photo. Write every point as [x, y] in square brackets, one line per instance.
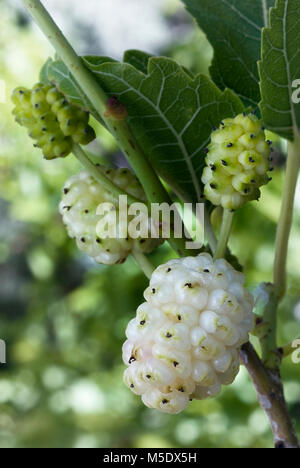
[270, 394]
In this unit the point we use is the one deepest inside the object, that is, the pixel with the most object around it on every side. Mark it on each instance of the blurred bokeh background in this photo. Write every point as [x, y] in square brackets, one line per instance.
[63, 317]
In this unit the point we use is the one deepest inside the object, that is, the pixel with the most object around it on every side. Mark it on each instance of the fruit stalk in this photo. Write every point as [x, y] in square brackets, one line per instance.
[224, 234]
[209, 231]
[100, 177]
[143, 262]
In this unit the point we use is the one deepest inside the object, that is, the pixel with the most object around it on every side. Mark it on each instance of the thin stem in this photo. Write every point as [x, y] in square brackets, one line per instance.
[97, 173]
[144, 263]
[271, 398]
[209, 231]
[224, 234]
[110, 110]
[286, 217]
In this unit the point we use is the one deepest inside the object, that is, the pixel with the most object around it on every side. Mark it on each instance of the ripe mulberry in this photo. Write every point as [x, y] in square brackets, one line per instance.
[237, 162]
[82, 195]
[51, 120]
[184, 342]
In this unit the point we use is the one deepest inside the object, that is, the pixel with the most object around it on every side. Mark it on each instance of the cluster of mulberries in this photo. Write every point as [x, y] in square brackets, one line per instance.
[237, 161]
[184, 342]
[51, 121]
[82, 195]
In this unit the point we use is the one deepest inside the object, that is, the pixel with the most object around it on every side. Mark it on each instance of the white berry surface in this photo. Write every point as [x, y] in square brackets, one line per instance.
[184, 342]
[82, 194]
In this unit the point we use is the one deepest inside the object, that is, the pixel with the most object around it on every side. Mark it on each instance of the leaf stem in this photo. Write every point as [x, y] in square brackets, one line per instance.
[143, 262]
[224, 234]
[109, 109]
[97, 173]
[286, 217]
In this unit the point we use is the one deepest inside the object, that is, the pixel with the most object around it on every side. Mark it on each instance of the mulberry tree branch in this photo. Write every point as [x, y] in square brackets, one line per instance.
[286, 217]
[271, 398]
[270, 356]
[110, 111]
[267, 381]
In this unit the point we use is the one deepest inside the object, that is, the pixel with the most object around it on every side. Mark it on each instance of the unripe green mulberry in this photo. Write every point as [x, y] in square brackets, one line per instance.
[21, 97]
[185, 340]
[82, 195]
[51, 120]
[238, 159]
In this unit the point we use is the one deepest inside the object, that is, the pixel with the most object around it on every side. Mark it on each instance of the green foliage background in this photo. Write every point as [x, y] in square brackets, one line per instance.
[63, 318]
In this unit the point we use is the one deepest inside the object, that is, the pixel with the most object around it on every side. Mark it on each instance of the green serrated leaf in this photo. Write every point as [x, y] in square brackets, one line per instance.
[94, 61]
[140, 61]
[170, 114]
[44, 71]
[137, 59]
[59, 74]
[233, 28]
[279, 67]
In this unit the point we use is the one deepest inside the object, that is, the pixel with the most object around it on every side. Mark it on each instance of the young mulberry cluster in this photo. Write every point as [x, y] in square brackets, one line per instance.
[184, 342]
[51, 121]
[237, 161]
[82, 195]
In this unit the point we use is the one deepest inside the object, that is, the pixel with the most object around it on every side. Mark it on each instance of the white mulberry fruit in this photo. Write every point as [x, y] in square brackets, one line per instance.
[81, 196]
[185, 340]
[51, 120]
[237, 162]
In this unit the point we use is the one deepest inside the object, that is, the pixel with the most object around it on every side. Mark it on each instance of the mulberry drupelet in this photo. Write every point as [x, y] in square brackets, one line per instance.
[81, 196]
[185, 340]
[237, 162]
[51, 120]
